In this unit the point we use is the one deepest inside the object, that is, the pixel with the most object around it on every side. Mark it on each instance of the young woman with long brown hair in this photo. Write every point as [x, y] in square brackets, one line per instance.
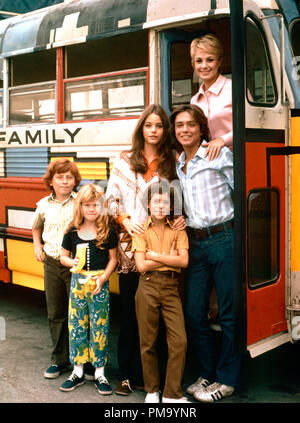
[149, 160]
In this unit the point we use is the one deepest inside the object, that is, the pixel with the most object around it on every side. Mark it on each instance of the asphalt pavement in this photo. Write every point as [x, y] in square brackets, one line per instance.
[25, 347]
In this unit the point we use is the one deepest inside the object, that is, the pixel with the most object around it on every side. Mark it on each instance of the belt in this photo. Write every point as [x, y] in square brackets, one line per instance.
[53, 260]
[211, 230]
[163, 273]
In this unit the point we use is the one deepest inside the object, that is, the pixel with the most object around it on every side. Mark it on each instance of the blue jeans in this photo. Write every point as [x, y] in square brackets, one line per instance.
[211, 261]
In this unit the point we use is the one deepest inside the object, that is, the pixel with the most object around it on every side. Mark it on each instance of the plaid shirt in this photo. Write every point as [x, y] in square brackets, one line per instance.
[207, 187]
[54, 217]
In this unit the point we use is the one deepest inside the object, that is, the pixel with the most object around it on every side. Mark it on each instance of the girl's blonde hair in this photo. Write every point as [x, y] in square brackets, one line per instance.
[87, 193]
[210, 43]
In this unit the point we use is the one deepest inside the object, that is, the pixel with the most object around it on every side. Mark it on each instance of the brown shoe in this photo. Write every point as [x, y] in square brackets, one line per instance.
[124, 388]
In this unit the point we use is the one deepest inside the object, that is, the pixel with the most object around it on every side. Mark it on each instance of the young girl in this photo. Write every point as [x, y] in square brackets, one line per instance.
[89, 248]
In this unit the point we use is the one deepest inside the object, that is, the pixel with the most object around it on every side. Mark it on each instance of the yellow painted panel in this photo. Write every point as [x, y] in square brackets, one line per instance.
[88, 170]
[20, 257]
[92, 170]
[295, 197]
[30, 281]
[60, 157]
[27, 271]
[295, 130]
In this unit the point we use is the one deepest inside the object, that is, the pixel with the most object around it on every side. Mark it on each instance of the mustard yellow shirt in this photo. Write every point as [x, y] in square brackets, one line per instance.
[153, 241]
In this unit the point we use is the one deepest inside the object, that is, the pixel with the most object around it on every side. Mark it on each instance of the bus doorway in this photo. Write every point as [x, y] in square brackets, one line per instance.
[260, 173]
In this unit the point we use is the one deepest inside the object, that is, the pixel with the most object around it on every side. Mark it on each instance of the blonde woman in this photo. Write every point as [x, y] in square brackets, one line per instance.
[89, 249]
[215, 93]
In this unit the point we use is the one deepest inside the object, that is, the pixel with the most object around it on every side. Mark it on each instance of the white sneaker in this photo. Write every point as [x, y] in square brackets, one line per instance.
[214, 392]
[199, 384]
[182, 399]
[152, 397]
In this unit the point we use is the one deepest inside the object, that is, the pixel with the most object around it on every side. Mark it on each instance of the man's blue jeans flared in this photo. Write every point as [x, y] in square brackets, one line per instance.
[211, 261]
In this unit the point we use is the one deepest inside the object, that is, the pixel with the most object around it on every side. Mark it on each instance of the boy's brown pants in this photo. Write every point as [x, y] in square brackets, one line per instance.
[158, 293]
[57, 280]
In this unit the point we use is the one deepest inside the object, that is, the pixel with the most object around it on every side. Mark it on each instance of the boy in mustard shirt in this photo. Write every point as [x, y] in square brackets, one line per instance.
[160, 253]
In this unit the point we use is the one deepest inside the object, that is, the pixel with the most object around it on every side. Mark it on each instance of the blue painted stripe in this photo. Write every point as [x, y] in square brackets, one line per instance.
[26, 162]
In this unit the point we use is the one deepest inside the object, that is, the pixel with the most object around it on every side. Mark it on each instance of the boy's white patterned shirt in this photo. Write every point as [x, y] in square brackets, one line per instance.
[54, 217]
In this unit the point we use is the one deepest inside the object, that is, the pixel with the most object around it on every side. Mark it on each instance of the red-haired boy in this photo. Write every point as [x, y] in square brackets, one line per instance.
[51, 218]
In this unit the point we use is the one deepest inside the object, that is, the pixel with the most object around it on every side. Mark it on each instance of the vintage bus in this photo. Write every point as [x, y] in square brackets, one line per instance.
[75, 78]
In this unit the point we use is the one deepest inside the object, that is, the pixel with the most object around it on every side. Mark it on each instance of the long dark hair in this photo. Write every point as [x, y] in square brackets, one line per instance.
[166, 159]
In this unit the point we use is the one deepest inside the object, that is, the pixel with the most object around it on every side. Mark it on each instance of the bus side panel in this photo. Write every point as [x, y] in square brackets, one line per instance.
[5, 275]
[266, 304]
[295, 213]
[17, 261]
[17, 255]
[26, 270]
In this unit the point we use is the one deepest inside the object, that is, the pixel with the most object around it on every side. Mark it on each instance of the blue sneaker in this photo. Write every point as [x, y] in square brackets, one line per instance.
[103, 386]
[54, 371]
[72, 383]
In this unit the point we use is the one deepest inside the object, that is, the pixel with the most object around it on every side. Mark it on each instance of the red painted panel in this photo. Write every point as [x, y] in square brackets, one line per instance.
[4, 273]
[20, 192]
[266, 305]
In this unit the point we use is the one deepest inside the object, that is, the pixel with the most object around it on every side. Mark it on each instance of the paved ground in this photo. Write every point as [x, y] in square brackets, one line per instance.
[25, 348]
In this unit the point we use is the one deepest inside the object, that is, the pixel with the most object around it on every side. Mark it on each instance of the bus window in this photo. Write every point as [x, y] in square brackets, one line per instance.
[130, 51]
[32, 104]
[101, 85]
[183, 84]
[295, 37]
[263, 237]
[106, 96]
[32, 88]
[260, 85]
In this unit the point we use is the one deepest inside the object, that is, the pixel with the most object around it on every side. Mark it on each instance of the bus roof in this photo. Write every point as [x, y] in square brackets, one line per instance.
[70, 23]
[74, 22]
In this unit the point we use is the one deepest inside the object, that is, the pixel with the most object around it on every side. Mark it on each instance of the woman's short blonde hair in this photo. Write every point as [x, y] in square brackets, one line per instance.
[209, 43]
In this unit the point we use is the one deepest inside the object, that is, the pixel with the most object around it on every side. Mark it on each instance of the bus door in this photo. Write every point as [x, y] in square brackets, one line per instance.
[264, 196]
[266, 181]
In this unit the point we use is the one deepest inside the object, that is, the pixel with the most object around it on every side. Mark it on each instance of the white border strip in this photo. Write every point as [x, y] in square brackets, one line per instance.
[189, 16]
[268, 344]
